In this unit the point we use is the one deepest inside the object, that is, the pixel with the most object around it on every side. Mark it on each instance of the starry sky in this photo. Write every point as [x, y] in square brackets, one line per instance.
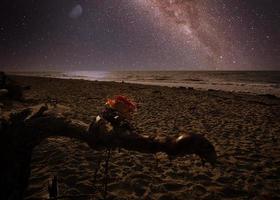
[140, 35]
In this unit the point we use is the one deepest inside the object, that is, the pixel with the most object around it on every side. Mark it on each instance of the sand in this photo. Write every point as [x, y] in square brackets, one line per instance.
[245, 130]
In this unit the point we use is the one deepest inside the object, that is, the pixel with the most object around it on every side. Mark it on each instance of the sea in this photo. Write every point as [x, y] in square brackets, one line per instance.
[255, 82]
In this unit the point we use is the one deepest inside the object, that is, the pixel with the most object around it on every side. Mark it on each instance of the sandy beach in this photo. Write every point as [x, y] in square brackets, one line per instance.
[245, 130]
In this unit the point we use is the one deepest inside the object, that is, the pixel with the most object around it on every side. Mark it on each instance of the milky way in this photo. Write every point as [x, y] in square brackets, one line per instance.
[206, 28]
[191, 25]
[140, 34]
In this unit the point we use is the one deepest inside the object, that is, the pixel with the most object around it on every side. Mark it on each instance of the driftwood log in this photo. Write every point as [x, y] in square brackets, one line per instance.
[40, 122]
[20, 132]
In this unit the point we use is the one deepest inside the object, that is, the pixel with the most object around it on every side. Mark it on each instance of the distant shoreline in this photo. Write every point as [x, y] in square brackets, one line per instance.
[252, 82]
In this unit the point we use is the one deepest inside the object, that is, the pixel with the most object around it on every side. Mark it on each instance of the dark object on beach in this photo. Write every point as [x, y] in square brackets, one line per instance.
[269, 96]
[3, 79]
[182, 88]
[3, 93]
[53, 188]
[14, 91]
[20, 132]
[156, 92]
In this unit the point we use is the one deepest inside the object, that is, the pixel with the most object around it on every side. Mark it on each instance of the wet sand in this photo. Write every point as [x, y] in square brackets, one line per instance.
[245, 130]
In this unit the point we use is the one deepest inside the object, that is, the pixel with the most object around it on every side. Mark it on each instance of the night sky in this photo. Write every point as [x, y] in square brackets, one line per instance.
[140, 35]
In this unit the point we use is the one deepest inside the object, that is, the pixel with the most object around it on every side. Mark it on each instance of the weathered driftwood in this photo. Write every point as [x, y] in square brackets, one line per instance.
[40, 122]
[23, 130]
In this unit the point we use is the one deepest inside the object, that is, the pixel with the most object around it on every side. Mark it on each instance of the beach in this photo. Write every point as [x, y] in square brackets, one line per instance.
[244, 129]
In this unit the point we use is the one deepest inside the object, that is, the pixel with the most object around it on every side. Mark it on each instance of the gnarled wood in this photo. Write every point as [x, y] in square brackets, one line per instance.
[23, 130]
[40, 122]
